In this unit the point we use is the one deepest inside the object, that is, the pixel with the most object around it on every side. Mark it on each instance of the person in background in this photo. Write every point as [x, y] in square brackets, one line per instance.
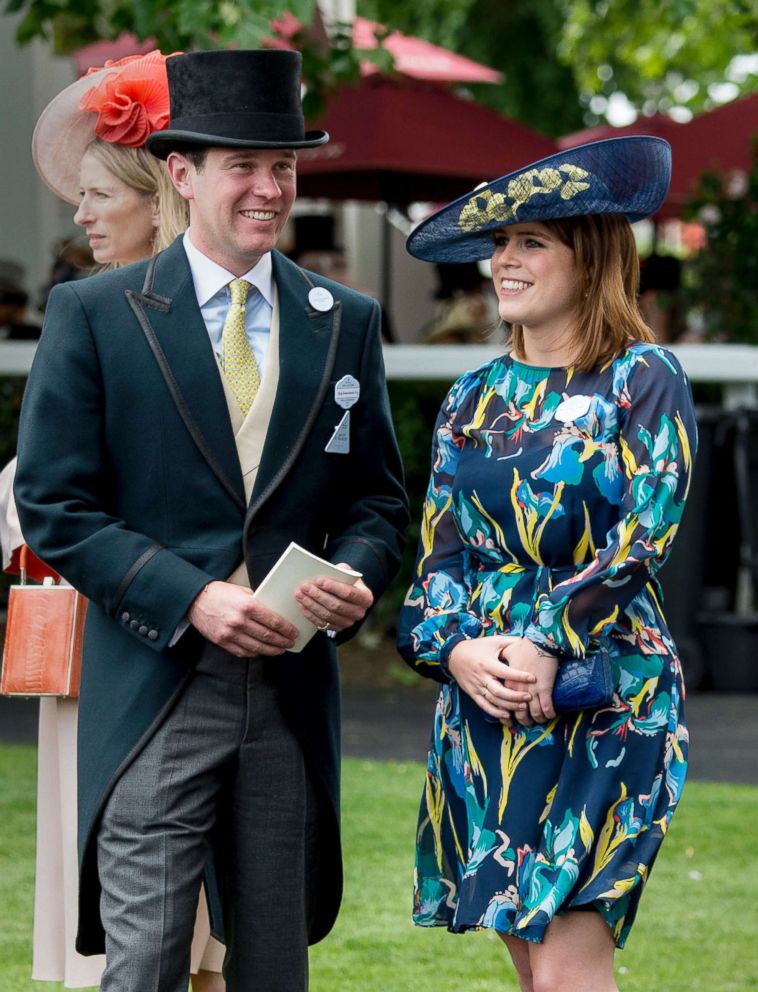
[463, 314]
[315, 249]
[13, 303]
[213, 404]
[660, 278]
[130, 210]
[72, 259]
[559, 475]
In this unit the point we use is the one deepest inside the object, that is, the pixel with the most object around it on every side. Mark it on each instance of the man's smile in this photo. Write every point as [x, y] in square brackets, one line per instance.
[259, 214]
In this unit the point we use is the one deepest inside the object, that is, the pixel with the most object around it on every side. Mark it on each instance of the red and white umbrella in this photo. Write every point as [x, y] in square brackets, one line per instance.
[401, 140]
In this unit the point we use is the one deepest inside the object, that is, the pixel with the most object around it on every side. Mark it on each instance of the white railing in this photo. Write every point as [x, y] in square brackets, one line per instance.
[16, 357]
[735, 366]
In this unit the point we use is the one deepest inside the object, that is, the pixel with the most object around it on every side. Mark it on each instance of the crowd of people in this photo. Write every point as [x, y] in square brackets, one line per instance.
[202, 402]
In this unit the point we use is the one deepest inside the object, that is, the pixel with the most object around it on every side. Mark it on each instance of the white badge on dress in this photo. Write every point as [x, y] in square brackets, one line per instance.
[340, 440]
[572, 408]
[321, 299]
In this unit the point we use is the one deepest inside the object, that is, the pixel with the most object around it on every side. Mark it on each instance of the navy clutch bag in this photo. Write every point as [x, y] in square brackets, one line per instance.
[583, 683]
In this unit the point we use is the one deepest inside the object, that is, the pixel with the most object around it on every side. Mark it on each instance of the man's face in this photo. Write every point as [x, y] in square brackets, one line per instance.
[239, 201]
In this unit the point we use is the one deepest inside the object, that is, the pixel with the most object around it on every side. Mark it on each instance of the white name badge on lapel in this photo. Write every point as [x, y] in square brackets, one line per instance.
[321, 299]
[340, 440]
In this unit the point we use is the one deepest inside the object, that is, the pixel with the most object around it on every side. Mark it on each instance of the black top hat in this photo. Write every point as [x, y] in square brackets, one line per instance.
[240, 99]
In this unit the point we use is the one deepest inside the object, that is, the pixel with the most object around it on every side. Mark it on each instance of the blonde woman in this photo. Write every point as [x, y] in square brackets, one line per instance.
[88, 147]
[128, 206]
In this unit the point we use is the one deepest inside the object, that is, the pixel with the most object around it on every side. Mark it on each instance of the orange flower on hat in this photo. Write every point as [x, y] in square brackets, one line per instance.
[132, 101]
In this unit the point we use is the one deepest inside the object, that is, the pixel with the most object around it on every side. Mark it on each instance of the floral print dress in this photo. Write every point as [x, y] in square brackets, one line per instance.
[554, 497]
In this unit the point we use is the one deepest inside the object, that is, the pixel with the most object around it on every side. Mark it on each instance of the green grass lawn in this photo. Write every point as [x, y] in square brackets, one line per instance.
[696, 931]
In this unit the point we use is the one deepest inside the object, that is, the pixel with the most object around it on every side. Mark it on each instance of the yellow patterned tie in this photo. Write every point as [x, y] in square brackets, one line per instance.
[237, 357]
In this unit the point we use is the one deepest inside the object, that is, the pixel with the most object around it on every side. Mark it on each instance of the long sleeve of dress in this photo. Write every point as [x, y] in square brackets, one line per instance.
[656, 441]
[435, 615]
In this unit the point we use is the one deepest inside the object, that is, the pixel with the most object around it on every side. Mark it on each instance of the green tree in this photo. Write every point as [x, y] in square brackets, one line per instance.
[174, 24]
[659, 53]
[563, 59]
[518, 38]
[720, 280]
[185, 25]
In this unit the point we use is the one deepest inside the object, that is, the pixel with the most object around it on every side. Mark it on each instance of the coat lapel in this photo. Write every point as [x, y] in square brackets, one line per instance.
[307, 348]
[170, 318]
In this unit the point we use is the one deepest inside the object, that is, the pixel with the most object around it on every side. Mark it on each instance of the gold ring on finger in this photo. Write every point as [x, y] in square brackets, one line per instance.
[324, 626]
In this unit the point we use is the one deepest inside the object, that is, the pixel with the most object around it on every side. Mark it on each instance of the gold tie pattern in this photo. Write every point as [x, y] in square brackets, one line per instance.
[237, 357]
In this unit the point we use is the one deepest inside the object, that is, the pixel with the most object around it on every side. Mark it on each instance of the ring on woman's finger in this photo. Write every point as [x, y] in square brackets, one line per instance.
[322, 626]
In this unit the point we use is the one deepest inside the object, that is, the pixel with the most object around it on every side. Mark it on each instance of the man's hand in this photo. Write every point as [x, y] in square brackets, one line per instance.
[231, 616]
[497, 689]
[334, 605]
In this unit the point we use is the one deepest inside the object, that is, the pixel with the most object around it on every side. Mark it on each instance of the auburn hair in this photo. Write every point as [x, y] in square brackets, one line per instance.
[608, 269]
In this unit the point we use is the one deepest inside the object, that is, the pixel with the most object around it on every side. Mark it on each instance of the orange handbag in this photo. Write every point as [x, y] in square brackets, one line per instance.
[43, 639]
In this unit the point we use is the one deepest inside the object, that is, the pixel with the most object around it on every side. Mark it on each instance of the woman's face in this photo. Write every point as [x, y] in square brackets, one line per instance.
[120, 222]
[535, 278]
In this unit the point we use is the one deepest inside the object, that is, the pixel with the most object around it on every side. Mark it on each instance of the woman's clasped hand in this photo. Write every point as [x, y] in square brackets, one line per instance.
[510, 678]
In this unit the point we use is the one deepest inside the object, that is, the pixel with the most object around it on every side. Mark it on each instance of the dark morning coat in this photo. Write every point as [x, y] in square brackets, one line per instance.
[129, 485]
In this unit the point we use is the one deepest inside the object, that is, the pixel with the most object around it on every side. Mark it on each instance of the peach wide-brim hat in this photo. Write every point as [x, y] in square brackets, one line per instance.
[123, 103]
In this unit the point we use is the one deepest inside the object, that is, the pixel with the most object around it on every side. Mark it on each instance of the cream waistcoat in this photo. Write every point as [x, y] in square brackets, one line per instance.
[250, 431]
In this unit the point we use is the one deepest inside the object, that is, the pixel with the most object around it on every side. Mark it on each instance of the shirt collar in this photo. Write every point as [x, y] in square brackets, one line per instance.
[209, 277]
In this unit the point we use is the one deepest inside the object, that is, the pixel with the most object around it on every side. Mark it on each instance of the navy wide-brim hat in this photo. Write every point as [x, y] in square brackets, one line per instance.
[627, 176]
[235, 99]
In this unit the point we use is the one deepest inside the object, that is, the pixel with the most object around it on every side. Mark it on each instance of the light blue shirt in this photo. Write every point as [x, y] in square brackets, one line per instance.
[211, 282]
